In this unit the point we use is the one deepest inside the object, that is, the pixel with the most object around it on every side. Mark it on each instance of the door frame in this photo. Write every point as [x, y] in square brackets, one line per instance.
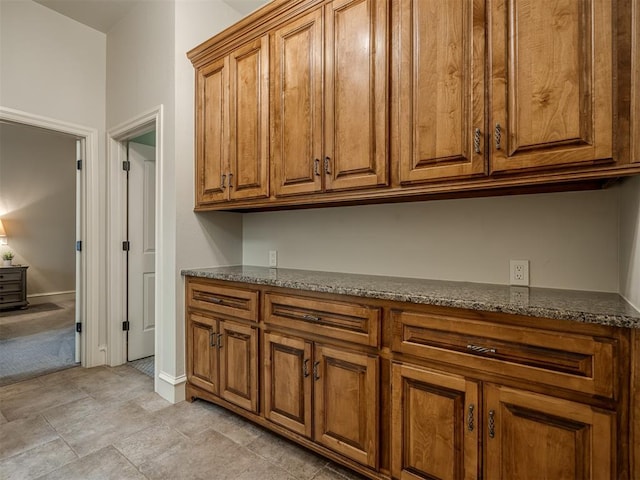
[88, 300]
[117, 139]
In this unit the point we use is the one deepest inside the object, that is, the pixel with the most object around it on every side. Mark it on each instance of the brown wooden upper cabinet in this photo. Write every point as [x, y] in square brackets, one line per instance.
[549, 92]
[551, 88]
[330, 99]
[232, 125]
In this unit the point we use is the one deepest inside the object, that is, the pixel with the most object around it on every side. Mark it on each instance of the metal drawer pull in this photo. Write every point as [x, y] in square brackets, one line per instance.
[212, 339]
[492, 424]
[498, 136]
[219, 340]
[316, 374]
[479, 349]
[305, 368]
[222, 179]
[213, 300]
[316, 167]
[311, 318]
[476, 140]
[470, 418]
[326, 165]
[230, 180]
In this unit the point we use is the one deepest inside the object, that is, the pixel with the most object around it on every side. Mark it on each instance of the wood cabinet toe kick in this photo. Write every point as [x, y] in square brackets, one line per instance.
[394, 390]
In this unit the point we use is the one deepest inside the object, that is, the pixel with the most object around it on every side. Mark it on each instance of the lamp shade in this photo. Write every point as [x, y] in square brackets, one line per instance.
[2, 232]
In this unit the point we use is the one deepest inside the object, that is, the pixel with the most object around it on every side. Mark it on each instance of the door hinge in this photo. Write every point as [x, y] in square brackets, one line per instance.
[79, 246]
[126, 245]
[79, 164]
[78, 327]
[125, 325]
[126, 165]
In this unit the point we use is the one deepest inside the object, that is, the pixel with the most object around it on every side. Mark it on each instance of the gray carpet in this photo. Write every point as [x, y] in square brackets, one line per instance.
[36, 341]
[145, 365]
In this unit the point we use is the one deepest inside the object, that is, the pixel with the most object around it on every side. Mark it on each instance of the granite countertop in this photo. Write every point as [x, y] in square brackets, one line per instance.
[588, 307]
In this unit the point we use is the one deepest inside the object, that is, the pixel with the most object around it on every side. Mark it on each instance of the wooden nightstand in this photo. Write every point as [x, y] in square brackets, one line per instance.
[13, 287]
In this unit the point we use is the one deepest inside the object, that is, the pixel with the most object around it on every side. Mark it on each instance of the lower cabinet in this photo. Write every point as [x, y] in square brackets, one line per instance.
[437, 419]
[223, 359]
[335, 387]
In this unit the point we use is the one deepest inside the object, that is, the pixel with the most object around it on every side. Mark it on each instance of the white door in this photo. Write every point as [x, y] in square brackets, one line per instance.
[142, 250]
[79, 159]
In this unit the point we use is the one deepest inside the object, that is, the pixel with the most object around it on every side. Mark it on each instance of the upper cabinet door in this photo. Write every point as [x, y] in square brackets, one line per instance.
[212, 132]
[551, 83]
[356, 96]
[440, 92]
[297, 106]
[249, 120]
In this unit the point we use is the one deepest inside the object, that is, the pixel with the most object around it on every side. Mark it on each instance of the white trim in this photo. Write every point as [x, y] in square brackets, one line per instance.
[171, 380]
[48, 294]
[169, 387]
[116, 202]
[89, 301]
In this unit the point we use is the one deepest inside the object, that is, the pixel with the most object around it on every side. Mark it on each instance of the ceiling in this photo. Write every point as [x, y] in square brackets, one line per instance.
[104, 14]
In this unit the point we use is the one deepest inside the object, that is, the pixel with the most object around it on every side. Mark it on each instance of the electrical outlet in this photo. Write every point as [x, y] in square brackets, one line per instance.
[519, 272]
[273, 258]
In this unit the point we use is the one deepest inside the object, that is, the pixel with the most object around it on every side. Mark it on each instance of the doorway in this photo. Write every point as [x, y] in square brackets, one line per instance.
[40, 204]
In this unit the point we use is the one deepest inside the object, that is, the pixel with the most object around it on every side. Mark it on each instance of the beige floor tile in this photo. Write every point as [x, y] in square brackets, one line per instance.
[207, 455]
[263, 470]
[105, 464]
[35, 400]
[24, 434]
[299, 462]
[328, 474]
[69, 413]
[344, 472]
[18, 388]
[150, 443]
[38, 461]
[152, 402]
[103, 427]
[2, 419]
[188, 418]
[107, 387]
[67, 375]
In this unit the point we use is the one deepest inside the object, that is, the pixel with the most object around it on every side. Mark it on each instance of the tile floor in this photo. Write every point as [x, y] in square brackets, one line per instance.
[107, 423]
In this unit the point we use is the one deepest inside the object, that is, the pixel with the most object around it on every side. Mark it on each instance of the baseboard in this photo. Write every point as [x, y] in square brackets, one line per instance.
[170, 388]
[51, 297]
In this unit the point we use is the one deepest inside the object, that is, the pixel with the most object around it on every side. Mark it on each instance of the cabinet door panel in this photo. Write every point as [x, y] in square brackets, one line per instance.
[551, 83]
[201, 361]
[535, 436]
[249, 120]
[212, 132]
[238, 347]
[346, 403]
[441, 89]
[287, 382]
[356, 95]
[435, 427]
[297, 114]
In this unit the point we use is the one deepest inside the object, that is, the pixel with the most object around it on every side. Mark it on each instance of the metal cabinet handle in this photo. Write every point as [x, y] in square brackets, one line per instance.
[316, 374]
[316, 167]
[215, 300]
[498, 135]
[222, 179]
[219, 340]
[230, 180]
[492, 424]
[311, 318]
[212, 338]
[305, 368]
[479, 349]
[470, 425]
[476, 140]
[326, 165]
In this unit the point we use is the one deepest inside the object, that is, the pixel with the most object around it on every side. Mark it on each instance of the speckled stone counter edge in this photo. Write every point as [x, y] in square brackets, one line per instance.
[588, 307]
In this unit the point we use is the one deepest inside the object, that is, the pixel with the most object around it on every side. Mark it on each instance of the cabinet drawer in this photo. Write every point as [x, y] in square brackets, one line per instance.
[340, 320]
[10, 287]
[10, 297]
[10, 277]
[567, 360]
[234, 302]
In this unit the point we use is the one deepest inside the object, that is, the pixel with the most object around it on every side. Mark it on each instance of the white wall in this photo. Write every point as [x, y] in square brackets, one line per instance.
[37, 192]
[147, 67]
[630, 240]
[570, 239]
[55, 67]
